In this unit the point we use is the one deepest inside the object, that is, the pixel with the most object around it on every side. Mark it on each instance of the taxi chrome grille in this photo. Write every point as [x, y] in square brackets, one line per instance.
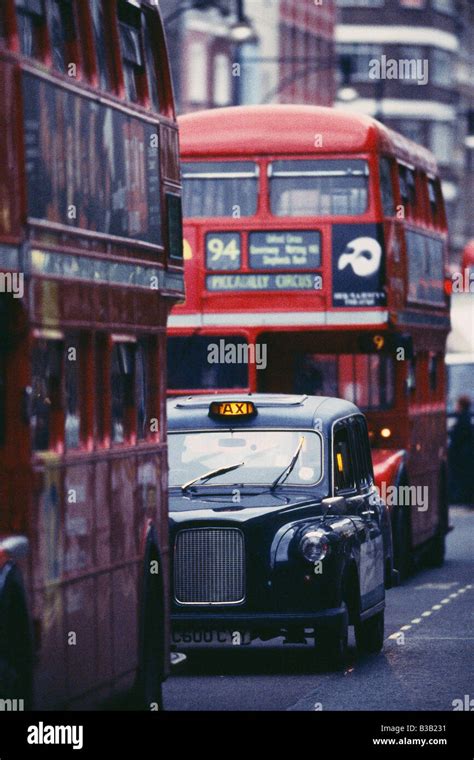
[209, 566]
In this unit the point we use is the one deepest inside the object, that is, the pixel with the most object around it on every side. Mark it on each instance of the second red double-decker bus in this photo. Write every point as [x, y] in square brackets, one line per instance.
[315, 247]
[90, 265]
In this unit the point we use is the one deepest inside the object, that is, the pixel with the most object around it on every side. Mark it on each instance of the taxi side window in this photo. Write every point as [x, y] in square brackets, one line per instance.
[343, 463]
[364, 474]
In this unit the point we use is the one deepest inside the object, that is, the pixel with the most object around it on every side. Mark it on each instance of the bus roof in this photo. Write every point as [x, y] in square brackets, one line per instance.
[239, 131]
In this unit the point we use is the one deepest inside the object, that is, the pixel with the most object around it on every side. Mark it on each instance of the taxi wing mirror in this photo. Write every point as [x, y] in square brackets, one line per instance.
[336, 505]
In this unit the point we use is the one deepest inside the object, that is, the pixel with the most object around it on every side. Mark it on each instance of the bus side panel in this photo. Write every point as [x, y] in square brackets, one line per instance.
[79, 596]
[124, 551]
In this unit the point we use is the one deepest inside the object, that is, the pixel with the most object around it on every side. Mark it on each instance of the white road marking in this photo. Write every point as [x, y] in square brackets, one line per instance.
[427, 613]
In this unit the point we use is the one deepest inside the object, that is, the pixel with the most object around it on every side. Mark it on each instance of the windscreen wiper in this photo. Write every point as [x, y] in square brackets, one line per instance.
[289, 467]
[211, 474]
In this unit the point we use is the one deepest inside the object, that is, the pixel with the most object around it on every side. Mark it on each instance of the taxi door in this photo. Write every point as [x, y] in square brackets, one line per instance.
[353, 470]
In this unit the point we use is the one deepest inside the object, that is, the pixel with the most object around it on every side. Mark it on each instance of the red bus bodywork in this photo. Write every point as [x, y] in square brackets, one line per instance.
[89, 219]
[409, 313]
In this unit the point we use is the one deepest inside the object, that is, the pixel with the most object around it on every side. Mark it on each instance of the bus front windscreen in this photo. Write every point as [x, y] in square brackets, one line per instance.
[332, 187]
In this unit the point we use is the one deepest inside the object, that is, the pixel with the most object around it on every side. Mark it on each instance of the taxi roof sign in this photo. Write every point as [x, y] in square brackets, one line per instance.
[234, 409]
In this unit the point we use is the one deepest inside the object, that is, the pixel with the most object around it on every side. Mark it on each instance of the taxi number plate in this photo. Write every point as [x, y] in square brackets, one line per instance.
[207, 638]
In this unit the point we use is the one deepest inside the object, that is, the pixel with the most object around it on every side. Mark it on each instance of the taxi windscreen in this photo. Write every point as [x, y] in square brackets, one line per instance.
[261, 456]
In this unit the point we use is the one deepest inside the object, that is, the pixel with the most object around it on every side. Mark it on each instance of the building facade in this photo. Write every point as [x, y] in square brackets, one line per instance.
[412, 66]
[290, 59]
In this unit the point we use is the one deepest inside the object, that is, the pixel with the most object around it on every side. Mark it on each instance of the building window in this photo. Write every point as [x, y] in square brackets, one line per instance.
[222, 90]
[442, 74]
[442, 141]
[101, 44]
[62, 32]
[415, 64]
[361, 3]
[197, 73]
[443, 6]
[361, 57]
[31, 17]
[415, 4]
[413, 130]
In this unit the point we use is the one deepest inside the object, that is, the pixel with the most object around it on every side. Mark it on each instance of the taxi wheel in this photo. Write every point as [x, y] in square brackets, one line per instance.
[369, 634]
[331, 649]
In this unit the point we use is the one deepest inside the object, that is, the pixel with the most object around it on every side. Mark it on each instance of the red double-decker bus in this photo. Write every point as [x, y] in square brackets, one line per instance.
[315, 247]
[90, 265]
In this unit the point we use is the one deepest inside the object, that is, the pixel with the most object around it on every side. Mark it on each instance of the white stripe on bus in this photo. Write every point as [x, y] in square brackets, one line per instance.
[282, 319]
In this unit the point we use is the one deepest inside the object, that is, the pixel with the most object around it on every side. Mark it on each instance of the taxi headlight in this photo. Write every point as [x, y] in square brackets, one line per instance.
[314, 545]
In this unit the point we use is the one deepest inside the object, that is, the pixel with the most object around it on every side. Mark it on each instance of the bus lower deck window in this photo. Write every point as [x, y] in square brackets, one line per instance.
[198, 362]
[46, 391]
[122, 387]
[319, 188]
[72, 365]
[142, 388]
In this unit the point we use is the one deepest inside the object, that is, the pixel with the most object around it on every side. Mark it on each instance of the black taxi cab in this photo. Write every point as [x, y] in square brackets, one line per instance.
[276, 526]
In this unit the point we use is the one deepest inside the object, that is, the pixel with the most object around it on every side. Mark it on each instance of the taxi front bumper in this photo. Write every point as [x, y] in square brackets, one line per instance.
[334, 619]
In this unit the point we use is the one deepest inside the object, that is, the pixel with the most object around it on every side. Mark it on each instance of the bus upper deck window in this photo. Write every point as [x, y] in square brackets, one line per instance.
[63, 33]
[151, 52]
[435, 202]
[220, 189]
[132, 52]
[407, 189]
[101, 43]
[334, 187]
[386, 187]
[31, 17]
